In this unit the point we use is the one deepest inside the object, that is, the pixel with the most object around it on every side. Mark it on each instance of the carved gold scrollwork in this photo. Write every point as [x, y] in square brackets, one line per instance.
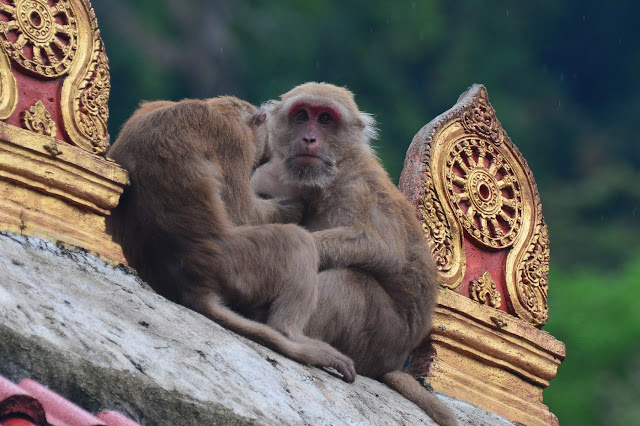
[484, 291]
[445, 242]
[38, 120]
[532, 283]
[90, 103]
[437, 228]
[86, 92]
[39, 35]
[484, 191]
[478, 185]
[481, 119]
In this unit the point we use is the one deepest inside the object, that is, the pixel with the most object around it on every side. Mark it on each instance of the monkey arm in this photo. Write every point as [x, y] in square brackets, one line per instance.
[344, 247]
[275, 211]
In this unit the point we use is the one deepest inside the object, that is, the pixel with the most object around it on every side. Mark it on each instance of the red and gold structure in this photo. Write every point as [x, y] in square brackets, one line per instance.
[480, 210]
[54, 88]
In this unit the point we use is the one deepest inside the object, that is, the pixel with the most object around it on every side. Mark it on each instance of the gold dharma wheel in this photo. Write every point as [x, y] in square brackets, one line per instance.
[483, 190]
[39, 35]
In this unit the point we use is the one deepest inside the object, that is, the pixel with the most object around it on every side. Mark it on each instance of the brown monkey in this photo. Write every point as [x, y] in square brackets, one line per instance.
[190, 225]
[378, 282]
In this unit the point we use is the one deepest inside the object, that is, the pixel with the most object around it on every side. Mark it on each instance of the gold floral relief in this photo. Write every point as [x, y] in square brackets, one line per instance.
[530, 276]
[484, 191]
[54, 38]
[90, 102]
[8, 88]
[481, 120]
[436, 226]
[484, 291]
[39, 35]
[478, 185]
[38, 120]
[442, 230]
[85, 93]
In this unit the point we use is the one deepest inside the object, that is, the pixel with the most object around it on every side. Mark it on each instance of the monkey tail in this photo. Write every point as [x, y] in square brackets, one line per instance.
[411, 389]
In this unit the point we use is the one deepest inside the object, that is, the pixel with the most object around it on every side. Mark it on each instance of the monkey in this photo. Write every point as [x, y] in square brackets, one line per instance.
[191, 227]
[378, 282]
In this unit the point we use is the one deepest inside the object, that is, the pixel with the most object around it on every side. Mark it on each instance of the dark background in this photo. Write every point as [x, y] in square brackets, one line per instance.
[562, 76]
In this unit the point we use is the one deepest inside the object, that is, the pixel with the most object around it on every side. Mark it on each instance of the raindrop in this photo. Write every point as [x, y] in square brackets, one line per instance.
[507, 12]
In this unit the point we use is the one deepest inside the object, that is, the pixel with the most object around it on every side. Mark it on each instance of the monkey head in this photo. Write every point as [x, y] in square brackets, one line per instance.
[313, 127]
[255, 118]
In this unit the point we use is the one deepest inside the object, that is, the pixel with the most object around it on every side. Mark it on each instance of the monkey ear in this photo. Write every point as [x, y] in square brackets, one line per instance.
[370, 130]
[259, 117]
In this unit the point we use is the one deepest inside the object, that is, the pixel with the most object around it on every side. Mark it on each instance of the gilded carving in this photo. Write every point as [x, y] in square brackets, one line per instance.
[478, 187]
[38, 120]
[435, 225]
[86, 92]
[484, 291]
[39, 35]
[90, 103]
[484, 192]
[8, 88]
[481, 119]
[532, 283]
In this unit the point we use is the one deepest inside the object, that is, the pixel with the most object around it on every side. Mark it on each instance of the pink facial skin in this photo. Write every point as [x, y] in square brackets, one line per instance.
[313, 119]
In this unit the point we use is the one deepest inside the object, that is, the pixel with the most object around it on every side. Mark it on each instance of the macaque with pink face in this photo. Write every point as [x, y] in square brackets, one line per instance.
[377, 280]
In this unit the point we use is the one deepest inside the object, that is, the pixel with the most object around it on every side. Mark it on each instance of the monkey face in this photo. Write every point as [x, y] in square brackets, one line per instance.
[314, 127]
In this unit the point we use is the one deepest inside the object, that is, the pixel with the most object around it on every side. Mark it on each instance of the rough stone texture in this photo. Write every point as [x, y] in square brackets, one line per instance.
[103, 339]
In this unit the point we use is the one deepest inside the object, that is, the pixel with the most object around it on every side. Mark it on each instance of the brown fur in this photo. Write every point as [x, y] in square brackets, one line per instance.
[378, 282]
[190, 224]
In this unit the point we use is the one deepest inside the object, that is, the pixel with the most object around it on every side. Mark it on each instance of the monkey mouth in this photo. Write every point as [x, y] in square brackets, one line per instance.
[308, 158]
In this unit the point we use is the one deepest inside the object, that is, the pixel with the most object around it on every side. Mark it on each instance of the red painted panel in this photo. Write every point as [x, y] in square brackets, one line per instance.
[31, 90]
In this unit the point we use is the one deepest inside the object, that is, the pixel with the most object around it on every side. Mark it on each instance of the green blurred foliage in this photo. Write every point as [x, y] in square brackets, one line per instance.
[597, 316]
[562, 77]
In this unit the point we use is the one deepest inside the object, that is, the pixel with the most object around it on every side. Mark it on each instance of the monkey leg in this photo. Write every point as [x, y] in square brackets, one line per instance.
[275, 266]
[309, 351]
[272, 266]
[358, 317]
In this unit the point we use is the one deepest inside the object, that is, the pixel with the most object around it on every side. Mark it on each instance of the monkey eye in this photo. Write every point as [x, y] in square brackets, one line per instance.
[325, 118]
[302, 115]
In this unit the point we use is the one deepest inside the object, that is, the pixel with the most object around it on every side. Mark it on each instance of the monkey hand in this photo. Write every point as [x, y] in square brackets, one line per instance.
[290, 211]
[321, 354]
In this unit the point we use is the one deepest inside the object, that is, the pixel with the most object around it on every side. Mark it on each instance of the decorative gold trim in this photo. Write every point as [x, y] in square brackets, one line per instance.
[481, 119]
[484, 291]
[530, 276]
[437, 228]
[43, 37]
[8, 88]
[71, 174]
[38, 120]
[443, 231]
[490, 359]
[483, 190]
[85, 92]
[476, 183]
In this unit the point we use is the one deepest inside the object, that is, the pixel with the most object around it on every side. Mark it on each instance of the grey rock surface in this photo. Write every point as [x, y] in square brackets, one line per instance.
[99, 336]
